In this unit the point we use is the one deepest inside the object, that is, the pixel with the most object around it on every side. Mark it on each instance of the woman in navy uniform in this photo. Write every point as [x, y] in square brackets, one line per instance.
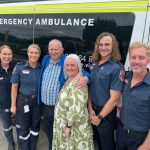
[6, 68]
[105, 88]
[24, 80]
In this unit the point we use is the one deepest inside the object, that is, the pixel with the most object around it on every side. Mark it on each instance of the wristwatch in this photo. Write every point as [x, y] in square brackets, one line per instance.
[100, 117]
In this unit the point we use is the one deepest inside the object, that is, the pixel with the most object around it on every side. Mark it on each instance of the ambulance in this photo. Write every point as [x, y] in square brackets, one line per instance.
[76, 23]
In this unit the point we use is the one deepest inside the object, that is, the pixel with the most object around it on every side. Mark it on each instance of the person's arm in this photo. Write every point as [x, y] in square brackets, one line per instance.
[90, 109]
[146, 143]
[116, 86]
[14, 90]
[83, 80]
[111, 103]
[108, 107]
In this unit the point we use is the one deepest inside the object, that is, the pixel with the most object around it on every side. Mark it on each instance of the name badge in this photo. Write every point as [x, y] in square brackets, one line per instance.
[25, 71]
[26, 108]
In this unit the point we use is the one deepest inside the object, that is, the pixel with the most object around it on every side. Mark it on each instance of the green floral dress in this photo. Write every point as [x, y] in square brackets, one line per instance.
[72, 106]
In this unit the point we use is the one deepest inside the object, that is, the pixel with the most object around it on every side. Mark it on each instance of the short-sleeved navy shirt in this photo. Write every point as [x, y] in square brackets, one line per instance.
[105, 77]
[135, 113]
[5, 86]
[27, 78]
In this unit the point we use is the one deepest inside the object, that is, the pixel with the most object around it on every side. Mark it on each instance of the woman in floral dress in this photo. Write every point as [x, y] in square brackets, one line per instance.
[72, 128]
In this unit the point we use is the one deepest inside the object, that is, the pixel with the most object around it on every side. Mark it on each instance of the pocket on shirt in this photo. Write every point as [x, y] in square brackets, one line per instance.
[141, 102]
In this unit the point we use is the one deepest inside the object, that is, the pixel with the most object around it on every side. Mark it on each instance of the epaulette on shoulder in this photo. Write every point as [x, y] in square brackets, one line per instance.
[119, 63]
[21, 63]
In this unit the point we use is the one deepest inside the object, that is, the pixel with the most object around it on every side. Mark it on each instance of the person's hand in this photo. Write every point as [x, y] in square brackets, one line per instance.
[91, 113]
[81, 82]
[95, 120]
[67, 132]
[13, 109]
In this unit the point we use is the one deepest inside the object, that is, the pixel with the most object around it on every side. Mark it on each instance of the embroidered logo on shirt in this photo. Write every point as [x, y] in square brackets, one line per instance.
[121, 75]
[25, 71]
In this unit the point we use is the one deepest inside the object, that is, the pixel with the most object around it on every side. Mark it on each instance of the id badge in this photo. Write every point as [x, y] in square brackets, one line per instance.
[26, 108]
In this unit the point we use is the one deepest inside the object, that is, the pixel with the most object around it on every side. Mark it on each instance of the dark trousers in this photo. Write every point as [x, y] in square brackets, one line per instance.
[128, 141]
[7, 125]
[48, 119]
[105, 130]
[29, 122]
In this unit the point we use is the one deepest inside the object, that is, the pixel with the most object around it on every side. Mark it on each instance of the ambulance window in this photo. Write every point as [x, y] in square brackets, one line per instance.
[17, 32]
[79, 31]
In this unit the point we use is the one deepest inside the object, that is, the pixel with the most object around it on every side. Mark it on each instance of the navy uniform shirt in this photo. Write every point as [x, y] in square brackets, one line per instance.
[27, 78]
[105, 77]
[135, 113]
[5, 86]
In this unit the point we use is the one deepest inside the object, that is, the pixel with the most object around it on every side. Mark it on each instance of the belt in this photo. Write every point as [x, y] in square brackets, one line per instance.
[27, 96]
[52, 106]
[138, 133]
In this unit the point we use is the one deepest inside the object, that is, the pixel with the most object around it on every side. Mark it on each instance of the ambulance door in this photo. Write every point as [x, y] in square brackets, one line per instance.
[146, 37]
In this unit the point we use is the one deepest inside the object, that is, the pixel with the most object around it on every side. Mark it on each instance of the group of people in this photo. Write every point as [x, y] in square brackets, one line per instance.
[72, 101]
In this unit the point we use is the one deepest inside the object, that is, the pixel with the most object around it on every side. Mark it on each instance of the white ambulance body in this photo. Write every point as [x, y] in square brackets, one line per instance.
[76, 23]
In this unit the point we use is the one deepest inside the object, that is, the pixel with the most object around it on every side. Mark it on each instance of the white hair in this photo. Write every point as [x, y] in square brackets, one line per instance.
[77, 61]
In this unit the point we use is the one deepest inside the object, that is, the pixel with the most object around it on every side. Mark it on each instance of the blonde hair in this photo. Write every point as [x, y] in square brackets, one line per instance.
[34, 46]
[139, 44]
[5, 46]
[115, 48]
[77, 61]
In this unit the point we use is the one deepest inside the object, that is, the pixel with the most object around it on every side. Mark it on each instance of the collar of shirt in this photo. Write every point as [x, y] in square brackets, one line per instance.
[28, 65]
[60, 62]
[146, 79]
[11, 65]
[110, 60]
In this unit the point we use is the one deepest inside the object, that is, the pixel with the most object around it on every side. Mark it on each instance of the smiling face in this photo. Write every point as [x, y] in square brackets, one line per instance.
[6, 55]
[33, 55]
[139, 60]
[55, 50]
[71, 68]
[105, 47]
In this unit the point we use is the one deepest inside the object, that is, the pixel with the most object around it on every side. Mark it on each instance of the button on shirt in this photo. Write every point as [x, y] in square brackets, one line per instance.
[27, 78]
[50, 84]
[135, 113]
[105, 77]
[5, 86]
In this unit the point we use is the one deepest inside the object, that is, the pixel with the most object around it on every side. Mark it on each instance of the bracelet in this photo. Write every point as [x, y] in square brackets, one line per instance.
[68, 126]
[100, 117]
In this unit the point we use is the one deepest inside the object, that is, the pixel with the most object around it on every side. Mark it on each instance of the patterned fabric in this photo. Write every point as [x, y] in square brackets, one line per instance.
[50, 84]
[72, 106]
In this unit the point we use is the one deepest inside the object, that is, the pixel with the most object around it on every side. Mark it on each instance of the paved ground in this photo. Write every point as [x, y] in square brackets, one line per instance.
[42, 143]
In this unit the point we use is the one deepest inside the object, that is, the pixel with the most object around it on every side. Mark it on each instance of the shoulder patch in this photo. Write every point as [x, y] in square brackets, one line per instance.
[20, 63]
[122, 75]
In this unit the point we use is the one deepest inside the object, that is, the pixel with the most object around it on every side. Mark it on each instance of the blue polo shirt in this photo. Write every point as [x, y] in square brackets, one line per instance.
[105, 77]
[27, 78]
[5, 86]
[135, 113]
